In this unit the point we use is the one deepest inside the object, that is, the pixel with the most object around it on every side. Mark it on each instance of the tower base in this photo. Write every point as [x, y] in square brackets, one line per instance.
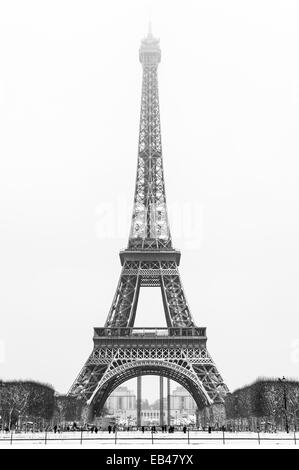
[120, 354]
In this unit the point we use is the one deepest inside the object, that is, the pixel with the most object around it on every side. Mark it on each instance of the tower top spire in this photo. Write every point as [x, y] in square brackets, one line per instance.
[149, 51]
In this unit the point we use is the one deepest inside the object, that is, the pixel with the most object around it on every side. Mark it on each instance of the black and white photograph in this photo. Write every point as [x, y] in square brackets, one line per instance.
[149, 228]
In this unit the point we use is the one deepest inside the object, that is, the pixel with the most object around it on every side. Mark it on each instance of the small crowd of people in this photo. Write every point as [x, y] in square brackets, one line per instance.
[75, 427]
[153, 429]
[113, 428]
[164, 428]
[110, 428]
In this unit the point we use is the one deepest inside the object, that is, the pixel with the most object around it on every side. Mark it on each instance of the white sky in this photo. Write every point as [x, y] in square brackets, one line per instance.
[70, 84]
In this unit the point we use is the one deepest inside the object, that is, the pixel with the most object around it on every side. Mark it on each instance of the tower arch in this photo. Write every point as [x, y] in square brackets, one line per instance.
[177, 374]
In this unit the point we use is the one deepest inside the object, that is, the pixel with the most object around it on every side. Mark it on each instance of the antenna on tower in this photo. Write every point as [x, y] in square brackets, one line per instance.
[150, 34]
[149, 11]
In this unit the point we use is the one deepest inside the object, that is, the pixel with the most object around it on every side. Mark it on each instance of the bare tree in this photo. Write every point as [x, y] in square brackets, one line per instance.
[14, 401]
[25, 398]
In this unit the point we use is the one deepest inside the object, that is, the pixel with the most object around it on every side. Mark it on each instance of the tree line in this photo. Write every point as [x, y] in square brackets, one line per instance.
[23, 402]
[267, 403]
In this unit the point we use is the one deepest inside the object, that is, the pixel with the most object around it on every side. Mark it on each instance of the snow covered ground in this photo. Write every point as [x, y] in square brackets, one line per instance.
[138, 440]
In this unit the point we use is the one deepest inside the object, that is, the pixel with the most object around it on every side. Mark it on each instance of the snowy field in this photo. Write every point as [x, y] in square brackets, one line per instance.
[124, 439]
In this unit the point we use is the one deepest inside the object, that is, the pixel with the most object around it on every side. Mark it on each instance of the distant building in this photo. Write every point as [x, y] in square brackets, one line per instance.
[182, 401]
[122, 399]
[145, 404]
[122, 404]
[151, 416]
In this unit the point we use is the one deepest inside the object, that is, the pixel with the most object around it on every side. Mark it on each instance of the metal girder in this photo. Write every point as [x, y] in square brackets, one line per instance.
[136, 274]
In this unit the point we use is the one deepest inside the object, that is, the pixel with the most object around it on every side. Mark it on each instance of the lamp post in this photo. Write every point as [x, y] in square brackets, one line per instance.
[19, 421]
[283, 382]
[295, 419]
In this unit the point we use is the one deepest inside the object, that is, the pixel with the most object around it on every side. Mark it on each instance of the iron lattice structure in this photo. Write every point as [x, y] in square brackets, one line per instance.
[121, 351]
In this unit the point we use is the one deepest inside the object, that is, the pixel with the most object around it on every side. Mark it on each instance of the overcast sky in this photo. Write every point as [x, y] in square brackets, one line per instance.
[70, 85]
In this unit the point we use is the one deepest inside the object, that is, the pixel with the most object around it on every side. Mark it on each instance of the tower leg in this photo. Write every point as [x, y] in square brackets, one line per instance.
[161, 402]
[87, 414]
[139, 401]
[218, 414]
[168, 402]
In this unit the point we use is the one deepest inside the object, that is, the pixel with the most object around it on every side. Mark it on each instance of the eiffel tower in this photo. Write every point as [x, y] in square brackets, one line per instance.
[179, 350]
